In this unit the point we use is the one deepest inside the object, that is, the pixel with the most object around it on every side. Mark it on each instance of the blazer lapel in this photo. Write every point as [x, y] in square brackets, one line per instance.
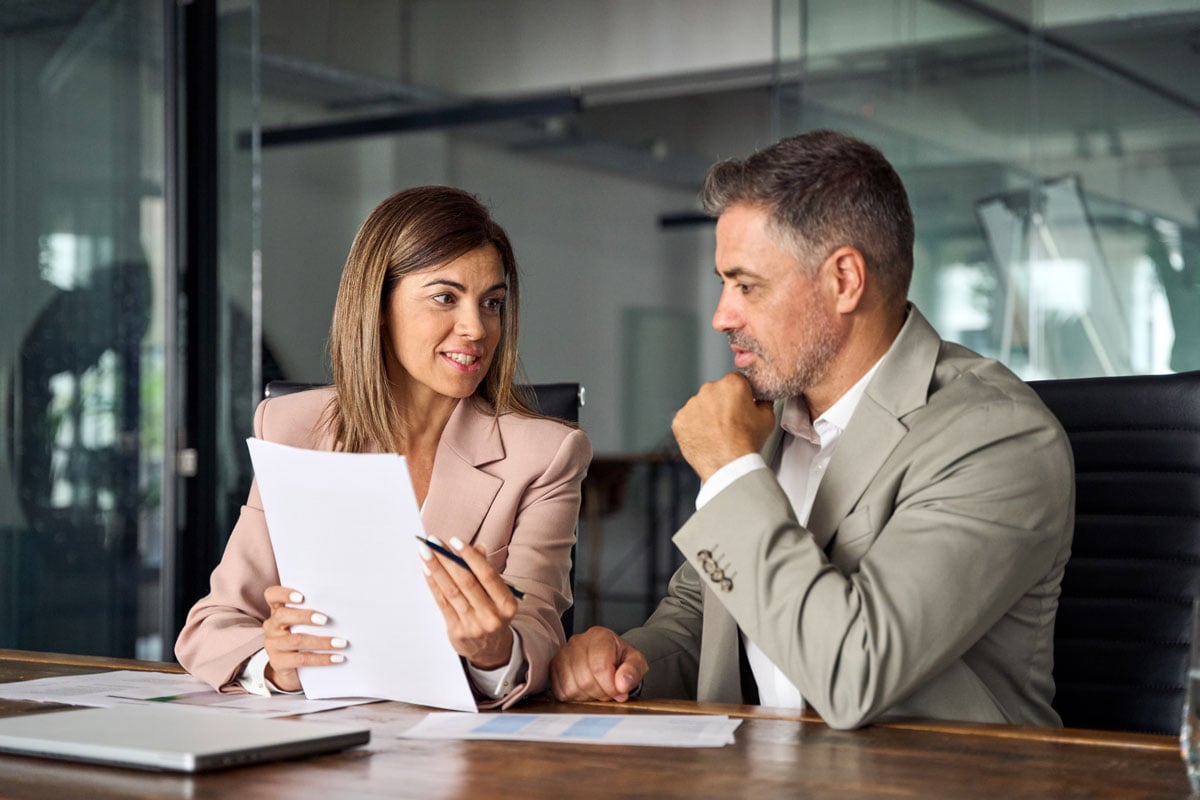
[460, 493]
[770, 450]
[900, 386]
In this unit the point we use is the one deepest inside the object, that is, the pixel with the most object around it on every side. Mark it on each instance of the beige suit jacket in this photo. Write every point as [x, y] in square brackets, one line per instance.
[511, 484]
[926, 581]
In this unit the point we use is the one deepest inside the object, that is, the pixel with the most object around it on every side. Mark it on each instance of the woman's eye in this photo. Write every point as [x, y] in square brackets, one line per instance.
[445, 298]
[494, 303]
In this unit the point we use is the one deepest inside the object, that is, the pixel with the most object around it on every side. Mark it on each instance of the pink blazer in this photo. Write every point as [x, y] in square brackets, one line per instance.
[511, 484]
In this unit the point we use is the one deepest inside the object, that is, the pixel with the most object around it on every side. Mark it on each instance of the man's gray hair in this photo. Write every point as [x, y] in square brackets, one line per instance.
[825, 190]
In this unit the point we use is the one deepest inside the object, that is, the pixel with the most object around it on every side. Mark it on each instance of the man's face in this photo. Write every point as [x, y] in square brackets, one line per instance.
[781, 323]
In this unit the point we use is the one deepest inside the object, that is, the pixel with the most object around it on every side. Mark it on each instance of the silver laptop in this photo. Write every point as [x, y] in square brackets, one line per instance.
[173, 738]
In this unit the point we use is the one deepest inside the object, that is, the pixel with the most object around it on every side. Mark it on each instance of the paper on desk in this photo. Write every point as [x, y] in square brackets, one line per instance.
[660, 730]
[105, 689]
[342, 526]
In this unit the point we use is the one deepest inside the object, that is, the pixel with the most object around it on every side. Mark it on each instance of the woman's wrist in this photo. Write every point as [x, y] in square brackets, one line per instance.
[497, 654]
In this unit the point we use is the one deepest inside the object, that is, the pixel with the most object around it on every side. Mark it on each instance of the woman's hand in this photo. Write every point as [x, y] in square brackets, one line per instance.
[476, 602]
[287, 651]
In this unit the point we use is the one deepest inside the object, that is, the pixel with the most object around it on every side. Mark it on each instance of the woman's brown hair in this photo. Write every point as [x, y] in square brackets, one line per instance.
[410, 231]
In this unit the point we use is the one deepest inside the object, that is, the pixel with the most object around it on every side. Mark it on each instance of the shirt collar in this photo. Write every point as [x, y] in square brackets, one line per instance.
[796, 421]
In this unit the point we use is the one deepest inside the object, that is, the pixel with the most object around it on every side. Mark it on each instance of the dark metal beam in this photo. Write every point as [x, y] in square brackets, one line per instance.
[685, 219]
[199, 543]
[467, 113]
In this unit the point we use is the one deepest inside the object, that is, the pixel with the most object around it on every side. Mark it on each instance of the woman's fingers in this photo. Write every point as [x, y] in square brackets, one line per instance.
[487, 578]
[277, 596]
[463, 594]
[285, 617]
[287, 650]
[290, 651]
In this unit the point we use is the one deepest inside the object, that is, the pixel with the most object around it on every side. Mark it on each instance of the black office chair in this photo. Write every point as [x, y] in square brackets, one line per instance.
[1122, 633]
[558, 400]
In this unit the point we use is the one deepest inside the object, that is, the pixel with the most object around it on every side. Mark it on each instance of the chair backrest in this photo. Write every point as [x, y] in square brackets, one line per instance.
[277, 388]
[1123, 629]
[559, 400]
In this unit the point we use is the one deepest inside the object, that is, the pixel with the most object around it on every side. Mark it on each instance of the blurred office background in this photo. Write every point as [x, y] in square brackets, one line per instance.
[180, 182]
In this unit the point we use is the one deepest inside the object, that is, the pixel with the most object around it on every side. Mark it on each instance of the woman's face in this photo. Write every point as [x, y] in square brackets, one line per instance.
[442, 324]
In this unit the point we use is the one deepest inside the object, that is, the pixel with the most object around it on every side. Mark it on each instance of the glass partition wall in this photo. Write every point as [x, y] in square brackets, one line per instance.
[1051, 160]
[82, 327]
[128, 314]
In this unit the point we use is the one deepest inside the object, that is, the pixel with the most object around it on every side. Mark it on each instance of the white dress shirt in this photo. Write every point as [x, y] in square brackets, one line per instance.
[805, 451]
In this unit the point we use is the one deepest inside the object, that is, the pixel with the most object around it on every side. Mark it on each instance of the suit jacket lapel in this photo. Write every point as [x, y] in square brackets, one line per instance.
[770, 451]
[460, 493]
[900, 386]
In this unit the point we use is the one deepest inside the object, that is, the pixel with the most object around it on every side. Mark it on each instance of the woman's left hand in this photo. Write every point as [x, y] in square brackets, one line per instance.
[477, 604]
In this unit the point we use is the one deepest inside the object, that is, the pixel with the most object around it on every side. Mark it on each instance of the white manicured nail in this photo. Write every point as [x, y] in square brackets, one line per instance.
[337, 658]
[434, 539]
[456, 543]
[425, 552]
[295, 597]
[425, 569]
[338, 644]
[318, 618]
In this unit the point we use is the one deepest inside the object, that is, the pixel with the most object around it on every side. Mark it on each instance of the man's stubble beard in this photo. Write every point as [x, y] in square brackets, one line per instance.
[817, 352]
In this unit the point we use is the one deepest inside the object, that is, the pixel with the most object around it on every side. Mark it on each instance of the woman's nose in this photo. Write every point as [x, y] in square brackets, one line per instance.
[469, 324]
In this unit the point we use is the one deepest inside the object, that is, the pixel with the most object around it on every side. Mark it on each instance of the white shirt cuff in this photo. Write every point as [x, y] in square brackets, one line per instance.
[254, 677]
[722, 478]
[498, 682]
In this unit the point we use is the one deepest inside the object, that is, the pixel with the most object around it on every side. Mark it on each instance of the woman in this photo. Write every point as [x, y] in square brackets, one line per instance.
[424, 351]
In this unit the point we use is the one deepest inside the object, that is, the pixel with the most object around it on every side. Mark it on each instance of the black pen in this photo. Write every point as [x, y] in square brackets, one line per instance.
[457, 559]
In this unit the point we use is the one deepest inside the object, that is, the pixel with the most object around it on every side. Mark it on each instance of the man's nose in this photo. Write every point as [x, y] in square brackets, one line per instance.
[726, 318]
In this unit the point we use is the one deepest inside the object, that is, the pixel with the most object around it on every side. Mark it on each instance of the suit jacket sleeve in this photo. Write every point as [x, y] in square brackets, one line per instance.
[969, 514]
[539, 560]
[670, 639]
[224, 628]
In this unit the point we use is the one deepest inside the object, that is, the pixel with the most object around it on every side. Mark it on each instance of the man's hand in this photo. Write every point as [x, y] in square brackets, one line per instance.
[722, 423]
[596, 665]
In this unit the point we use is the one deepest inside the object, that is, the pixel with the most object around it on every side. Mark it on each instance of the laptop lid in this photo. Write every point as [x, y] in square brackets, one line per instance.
[174, 738]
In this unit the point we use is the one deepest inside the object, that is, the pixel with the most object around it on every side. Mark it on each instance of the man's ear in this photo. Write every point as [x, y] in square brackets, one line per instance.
[849, 270]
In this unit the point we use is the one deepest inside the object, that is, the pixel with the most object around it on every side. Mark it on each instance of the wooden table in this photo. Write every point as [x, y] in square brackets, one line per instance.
[776, 754]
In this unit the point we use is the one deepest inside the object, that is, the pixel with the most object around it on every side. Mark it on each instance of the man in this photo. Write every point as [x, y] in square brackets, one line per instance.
[890, 537]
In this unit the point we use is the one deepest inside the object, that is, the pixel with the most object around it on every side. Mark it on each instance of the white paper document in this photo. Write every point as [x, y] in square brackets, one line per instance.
[343, 527]
[106, 689]
[657, 730]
